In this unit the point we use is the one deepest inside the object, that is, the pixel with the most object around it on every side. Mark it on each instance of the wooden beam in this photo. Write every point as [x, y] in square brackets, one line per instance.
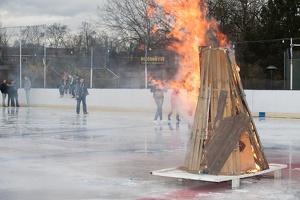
[224, 141]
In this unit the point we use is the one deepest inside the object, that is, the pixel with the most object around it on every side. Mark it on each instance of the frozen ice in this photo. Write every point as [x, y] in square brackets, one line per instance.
[48, 153]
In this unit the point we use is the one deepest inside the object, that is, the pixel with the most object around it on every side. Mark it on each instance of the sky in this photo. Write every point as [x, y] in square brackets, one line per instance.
[39, 12]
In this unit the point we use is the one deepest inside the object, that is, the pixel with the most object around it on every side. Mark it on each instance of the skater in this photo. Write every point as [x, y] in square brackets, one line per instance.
[3, 88]
[12, 92]
[174, 104]
[63, 85]
[158, 91]
[66, 83]
[81, 92]
[27, 87]
[71, 83]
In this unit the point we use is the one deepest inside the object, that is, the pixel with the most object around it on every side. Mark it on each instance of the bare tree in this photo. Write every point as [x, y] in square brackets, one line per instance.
[3, 37]
[133, 22]
[7, 35]
[57, 34]
[236, 16]
[34, 35]
[88, 33]
[74, 42]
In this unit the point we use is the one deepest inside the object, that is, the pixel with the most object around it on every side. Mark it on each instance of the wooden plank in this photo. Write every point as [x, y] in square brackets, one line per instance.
[177, 172]
[253, 134]
[203, 120]
[194, 155]
[220, 108]
[215, 90]
[232, 164]
[225, 140]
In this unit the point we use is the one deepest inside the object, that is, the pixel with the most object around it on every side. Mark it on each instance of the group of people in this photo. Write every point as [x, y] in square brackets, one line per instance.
[10, 90]
[76, 88]
[74, 85]
[67, 85]
[158, 89]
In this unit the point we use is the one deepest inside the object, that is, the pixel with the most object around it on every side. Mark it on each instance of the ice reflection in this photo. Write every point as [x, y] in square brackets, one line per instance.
[10, 115]
[27, 116]
[4, 116]
[171, 126]
[158, 137]
[12, 111]
[80, 121]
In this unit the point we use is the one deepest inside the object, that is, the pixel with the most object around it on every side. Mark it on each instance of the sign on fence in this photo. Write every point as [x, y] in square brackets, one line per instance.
[160, 60]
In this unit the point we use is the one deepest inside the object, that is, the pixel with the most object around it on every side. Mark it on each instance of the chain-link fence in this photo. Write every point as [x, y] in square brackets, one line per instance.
[49, 72]
[24, 51]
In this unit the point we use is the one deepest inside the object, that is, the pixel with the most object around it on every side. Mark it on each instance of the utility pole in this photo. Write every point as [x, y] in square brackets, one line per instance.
[146, 70]
[45, 63]
[20, 60]
[91, 81]
[291, 67]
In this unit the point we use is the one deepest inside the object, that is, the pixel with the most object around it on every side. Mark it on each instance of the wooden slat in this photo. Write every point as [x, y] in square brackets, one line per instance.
[194, 153]
[220, 120]
[220, 108]
[203, 120]
[224, 141]
[253, 134]
[232, 165]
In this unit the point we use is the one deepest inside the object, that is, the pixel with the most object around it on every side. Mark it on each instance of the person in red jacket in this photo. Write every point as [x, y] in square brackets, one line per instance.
[174, 104]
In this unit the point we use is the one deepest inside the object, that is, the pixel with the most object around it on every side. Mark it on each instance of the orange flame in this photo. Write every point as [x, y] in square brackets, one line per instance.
[257, 168]
[191, 29]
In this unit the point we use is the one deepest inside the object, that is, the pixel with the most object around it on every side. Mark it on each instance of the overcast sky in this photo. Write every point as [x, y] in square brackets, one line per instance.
[37, 12]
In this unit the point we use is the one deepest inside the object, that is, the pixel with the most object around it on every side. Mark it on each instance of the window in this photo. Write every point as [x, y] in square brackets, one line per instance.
[24, 59]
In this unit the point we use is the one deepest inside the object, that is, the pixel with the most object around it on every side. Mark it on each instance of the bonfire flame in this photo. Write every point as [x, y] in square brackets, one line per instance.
[191, 29]
[257, 168]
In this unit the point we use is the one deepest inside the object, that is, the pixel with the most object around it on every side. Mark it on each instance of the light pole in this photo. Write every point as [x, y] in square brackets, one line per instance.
[20, 61]
[291, 65]
[272, 68]
[45, 63]
[91, 83]
[291, 75]
[146, 70]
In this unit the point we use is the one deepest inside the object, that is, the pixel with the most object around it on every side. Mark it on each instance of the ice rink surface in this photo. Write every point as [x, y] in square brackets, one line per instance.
[54, 154]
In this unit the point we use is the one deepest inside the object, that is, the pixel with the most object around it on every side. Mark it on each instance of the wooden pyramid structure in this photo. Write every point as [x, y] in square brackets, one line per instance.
[224, 139]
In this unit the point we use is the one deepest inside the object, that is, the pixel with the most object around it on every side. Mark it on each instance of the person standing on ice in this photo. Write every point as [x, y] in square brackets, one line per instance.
[12, 92]
[174, 104]
[71, 84]
[3, 88]
[27, 87]
[158, 91]
[81, 92]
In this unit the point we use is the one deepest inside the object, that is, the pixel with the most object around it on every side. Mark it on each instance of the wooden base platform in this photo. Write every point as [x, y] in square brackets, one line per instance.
[235, 179]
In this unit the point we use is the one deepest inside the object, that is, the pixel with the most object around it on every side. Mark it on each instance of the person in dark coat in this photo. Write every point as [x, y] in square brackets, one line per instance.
[3, 88]
[158, 91]
[80, 93]
[12, 92]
